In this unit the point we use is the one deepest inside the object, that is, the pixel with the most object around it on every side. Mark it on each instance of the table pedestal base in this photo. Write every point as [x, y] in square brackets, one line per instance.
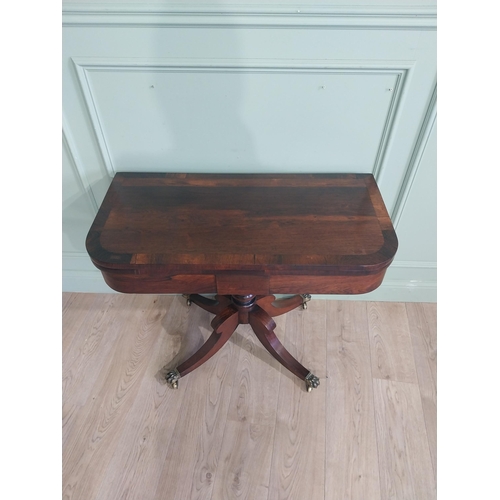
[256, 310]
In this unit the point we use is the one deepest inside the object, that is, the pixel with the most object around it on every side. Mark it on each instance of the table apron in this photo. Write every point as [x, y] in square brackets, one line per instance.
[241, 283]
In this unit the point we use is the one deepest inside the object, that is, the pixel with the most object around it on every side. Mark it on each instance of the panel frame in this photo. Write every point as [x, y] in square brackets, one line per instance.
[84, 66]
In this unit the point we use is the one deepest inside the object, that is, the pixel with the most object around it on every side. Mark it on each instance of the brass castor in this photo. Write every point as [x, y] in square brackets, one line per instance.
[173, 377]
[306, 297]
[188, 300]
[311, 382]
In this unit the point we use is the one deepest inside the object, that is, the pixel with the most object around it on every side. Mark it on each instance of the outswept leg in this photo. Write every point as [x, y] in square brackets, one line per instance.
[224, 325]
[263, 326]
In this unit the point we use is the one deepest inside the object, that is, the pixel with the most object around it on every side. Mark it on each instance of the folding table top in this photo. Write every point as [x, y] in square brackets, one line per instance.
[222, 226]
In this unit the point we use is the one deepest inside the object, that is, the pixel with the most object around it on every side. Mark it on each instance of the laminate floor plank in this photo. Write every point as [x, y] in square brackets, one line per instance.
[89, 449]
[139, 458]
[78, 311]
[298, 462]
[89, 355]
[92, 345]
[390, 342]
[65, 299]
[71, 302]
[245, 462]
[405, 465]
[351, 442]
[423, 328]
[192, 457]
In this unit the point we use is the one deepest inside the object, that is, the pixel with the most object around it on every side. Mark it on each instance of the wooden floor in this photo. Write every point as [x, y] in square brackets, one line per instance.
[241, 426]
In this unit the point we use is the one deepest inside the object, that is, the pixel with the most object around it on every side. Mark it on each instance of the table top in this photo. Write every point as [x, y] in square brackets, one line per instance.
[261, 224]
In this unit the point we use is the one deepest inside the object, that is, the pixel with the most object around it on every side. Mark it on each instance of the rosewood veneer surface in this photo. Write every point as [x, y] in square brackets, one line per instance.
[242, 234]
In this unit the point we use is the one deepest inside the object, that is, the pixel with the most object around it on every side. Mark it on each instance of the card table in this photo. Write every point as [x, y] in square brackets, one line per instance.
[243, 238]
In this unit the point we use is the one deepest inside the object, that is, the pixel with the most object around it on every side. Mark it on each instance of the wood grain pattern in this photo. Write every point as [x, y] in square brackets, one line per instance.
[423, 329]
[390, 342]
[93, 351]
[232, 234]
[245, 461]
[345, 285]
[240, 426]
[192, 456]
[299, 443]
[88, 356]
[77, 309]
[404, 457]
[137, 459]
[228, 285]
[106, 412]
[351, 444]
[66, 300]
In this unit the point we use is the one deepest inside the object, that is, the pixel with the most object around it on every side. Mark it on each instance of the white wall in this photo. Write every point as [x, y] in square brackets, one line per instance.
[204, 87]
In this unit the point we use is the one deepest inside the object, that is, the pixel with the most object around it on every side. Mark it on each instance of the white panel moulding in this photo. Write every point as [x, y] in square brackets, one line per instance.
[250, 16]
[69, 142]
[401, 70]
[416, 157]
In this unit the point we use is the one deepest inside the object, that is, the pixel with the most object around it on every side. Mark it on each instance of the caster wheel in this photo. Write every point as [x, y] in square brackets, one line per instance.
[188, 300]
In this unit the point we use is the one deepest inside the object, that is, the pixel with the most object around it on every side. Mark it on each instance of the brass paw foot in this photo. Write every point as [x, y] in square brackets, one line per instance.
[305, 298]
[173, 377]
[187, 297]
[311, 382]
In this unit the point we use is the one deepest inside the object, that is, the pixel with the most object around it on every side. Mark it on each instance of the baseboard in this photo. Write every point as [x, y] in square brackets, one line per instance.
[405, 281]
[80, 275]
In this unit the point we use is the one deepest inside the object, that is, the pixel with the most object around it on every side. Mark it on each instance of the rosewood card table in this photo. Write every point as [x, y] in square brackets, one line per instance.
[243, 238]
